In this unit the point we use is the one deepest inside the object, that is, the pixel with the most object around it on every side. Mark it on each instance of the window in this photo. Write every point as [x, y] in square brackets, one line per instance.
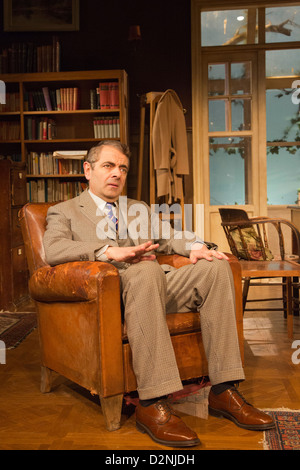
[229, 89]
[283, 146]
[282, 24]
[228, 27]
[229, 162]
[235, 27]
[283, 63]
[229, 113]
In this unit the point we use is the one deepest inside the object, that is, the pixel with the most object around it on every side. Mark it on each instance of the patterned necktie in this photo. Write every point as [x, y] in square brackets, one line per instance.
[110, 214]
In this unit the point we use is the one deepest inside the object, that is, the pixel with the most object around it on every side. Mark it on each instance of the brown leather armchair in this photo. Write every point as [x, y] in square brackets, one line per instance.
[80, 327]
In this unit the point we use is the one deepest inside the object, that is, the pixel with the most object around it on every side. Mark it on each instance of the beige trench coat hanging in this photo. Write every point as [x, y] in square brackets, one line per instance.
[170, 150]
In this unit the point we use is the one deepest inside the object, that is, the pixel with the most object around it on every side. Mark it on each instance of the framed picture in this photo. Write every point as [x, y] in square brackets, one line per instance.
[41, 15]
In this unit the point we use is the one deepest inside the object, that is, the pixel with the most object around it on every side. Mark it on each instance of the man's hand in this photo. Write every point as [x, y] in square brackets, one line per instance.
[132, 254]
[200, 251]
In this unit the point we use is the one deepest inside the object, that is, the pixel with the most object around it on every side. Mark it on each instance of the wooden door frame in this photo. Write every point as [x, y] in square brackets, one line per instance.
[200, 135]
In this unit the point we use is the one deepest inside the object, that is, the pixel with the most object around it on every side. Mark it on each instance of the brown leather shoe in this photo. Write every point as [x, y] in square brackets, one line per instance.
[232, 405]
[164, 426]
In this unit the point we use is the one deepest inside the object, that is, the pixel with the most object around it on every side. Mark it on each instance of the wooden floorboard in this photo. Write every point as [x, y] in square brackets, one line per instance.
[69, 418]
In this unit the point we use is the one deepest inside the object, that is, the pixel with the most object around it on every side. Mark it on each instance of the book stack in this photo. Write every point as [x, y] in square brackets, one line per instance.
[14, 157]
[9, 130]
[12, 103]
[67, 99]
[68, 162]
[25, 57]
[40, 163]
[106, 127]
[61, 99]
[40, 128]
[56, 163]
[108, 95]
[52, 190]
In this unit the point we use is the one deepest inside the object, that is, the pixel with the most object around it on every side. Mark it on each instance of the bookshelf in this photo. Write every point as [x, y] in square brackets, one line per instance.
[60, 111]
[13, 268]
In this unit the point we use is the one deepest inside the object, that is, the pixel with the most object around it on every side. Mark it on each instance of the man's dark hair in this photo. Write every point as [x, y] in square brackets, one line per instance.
[94, 153]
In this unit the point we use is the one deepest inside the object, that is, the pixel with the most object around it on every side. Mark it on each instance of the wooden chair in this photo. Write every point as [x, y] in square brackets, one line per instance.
[80, 328]
[248, 241]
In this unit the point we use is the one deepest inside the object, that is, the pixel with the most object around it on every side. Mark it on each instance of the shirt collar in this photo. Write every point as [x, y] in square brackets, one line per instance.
[99, 201]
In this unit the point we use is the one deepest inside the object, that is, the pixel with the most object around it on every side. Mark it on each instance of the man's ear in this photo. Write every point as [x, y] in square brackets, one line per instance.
[87, 170]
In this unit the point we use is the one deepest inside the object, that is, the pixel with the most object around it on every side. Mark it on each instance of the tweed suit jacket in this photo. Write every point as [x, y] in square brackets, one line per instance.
[77, 229]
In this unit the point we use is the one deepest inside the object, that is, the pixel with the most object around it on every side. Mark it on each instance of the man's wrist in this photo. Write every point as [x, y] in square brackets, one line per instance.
[100, 255]
[108, 253]
[197, 245]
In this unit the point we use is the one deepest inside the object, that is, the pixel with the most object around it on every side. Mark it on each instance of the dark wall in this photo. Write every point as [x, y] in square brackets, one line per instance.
[160, 61]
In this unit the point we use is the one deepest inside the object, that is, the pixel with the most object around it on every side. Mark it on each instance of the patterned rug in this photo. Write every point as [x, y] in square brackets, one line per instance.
[286, 434]
[14, 327]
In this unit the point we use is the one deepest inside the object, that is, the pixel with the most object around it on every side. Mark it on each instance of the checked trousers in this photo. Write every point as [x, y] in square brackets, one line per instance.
[149, 294]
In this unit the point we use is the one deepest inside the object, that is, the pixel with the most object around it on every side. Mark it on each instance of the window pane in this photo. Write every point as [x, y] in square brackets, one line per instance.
[228, 27]
[240, 115]
[229, 161]
[240, 78]
[216, 79]
[283, 117]
[217, 116]
[282, 24]
[283, 63]
[283, 174]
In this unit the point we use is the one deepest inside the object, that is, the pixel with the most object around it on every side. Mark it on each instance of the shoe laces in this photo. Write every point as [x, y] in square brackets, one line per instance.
[164, 406]
[234, 389]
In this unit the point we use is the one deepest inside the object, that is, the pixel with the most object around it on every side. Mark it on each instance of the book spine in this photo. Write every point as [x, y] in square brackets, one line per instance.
[75, 98]
[114, 95]
[47, 98]
[104, 95]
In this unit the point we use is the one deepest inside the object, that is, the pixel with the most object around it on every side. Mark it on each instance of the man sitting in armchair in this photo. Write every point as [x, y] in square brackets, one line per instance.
[149, 291]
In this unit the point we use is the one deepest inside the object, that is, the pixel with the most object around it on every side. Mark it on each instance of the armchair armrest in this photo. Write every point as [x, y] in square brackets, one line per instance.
[69, 282]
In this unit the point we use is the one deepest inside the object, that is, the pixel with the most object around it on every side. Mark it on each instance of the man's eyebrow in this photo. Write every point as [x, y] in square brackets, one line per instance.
[113, 164]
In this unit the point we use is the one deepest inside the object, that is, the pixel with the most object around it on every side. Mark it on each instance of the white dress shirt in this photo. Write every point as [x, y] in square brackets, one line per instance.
[100, 254]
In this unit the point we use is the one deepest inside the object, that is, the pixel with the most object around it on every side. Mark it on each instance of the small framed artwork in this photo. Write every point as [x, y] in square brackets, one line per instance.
[41, 15]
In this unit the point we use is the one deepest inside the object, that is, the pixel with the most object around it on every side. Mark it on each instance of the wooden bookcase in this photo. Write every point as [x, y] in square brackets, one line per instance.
[30, 129]
[13, 268]
[75, 131]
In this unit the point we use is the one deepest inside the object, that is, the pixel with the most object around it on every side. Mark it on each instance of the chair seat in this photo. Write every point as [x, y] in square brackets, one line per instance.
[270, 268]
[178, 323]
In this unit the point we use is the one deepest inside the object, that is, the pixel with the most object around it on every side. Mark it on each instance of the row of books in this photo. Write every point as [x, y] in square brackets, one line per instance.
[106, 128]
[23, 57]
[52, 190]
[12, 103]
[9, 130]
[105, 97]
[60, 99]
[40, 128]
[14, 157]
[53, 163]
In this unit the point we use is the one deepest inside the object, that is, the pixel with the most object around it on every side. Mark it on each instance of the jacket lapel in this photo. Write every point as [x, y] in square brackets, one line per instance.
[90, 210]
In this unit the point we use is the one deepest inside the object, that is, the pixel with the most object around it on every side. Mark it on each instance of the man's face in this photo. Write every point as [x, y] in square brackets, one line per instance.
[108, 176]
